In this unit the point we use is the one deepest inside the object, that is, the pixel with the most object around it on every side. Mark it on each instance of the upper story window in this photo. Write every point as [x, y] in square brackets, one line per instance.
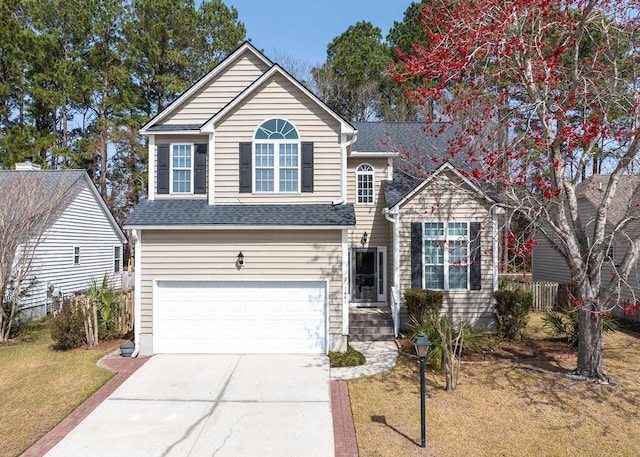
[277, 157]
[182, 168]
[446, 255]
[364, 183]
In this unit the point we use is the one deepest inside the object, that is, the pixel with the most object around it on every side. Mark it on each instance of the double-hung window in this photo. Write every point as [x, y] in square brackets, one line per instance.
[277, 157]
[116, 259]
[364, 184]
[446, 255]
[76, 255]
[182, 168]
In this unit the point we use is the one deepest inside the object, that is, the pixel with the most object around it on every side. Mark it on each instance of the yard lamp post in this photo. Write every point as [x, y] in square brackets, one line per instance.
[422, 344]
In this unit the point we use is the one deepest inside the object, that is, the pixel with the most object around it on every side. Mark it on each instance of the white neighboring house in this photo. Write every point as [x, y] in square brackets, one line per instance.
[82, 244]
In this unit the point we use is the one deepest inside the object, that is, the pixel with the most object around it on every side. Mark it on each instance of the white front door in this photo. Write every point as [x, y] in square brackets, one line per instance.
[240, 317]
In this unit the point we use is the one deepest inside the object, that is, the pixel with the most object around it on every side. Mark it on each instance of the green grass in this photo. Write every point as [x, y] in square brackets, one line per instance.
[39, 387]
[348, 358]
[515, 409]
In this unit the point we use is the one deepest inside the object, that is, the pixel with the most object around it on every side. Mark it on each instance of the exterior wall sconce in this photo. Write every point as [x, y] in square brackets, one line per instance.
[240, 260]
[365, 238]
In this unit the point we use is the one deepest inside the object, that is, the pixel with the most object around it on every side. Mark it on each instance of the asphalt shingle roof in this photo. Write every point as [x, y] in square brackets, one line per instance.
[44, 182]
[199, 212]
[173, 127]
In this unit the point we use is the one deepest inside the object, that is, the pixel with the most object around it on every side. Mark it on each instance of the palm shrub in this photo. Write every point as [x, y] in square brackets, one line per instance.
[563, 323]
[512, 309]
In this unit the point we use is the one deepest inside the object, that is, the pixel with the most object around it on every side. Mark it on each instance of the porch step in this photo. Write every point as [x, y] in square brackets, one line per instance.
[370, 324]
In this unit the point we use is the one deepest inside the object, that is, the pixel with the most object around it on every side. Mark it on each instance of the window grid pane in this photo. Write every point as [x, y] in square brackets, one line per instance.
[365, 188]
[264, 180]
[288, 180]
[446, 256]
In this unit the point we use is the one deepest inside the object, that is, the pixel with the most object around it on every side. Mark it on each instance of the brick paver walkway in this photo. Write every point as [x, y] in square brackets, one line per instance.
[123, 366]
[344, 432]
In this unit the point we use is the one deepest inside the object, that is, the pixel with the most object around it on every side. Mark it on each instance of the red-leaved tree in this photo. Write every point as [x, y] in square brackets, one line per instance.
[540, 94]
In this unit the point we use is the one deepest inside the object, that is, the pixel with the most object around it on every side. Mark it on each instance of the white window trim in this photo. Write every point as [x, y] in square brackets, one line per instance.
[119, 259]
[382, 275]
[276, 160]
[192, 147]
[73, 257]
[371, 173]
[446, 264]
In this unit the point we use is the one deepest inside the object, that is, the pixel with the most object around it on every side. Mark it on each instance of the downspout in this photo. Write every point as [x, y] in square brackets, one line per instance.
[137, 292]
[393, 217]
[344, 146]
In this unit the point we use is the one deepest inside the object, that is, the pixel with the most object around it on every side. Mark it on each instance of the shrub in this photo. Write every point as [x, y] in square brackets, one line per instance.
[67, 327]
[422, 302]
[348, 358]
[564, 323]
[512, 308]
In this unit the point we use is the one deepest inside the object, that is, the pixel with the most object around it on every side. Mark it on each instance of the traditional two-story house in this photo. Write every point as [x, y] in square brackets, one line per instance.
[270, 220]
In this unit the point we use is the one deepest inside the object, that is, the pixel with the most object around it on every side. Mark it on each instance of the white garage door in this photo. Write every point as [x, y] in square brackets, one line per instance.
[256, 317]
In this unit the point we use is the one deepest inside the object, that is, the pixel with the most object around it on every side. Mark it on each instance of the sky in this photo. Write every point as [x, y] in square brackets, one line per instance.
[302, 29]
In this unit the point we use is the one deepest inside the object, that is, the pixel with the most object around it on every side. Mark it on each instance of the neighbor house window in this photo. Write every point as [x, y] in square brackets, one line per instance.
[116, 259]
[364, 183]
[182, 168]
[446, 255]
[76, 255]
[277, 157]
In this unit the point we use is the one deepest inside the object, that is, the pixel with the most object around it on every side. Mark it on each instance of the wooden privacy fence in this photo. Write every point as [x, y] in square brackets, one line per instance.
[544, 293]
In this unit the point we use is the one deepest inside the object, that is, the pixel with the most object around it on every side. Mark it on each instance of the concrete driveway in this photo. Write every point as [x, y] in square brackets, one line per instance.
[212, 405]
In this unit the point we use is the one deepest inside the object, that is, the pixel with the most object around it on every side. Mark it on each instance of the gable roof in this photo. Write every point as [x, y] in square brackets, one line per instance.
[402, 138]
[244, 47]
[199, 214]
[447, 166]
[46, 182]
[209, 125]
[624, 204]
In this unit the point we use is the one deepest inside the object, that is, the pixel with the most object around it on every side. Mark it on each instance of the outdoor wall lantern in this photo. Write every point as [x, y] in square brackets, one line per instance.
[365, 237]
[422, 344]
[240, 260]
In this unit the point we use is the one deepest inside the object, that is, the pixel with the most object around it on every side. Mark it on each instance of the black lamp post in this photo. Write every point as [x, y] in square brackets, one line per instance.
[422, 344]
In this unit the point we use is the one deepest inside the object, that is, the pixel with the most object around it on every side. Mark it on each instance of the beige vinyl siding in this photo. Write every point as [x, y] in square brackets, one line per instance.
[219, 91]
[282, 255]
[446, 199]
[547, 264]
[83, 224]
[278, 98]
[169, 139]
[369, 218]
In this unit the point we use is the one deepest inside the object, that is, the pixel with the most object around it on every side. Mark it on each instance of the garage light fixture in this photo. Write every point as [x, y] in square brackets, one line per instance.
[364, 238]
[240, 261]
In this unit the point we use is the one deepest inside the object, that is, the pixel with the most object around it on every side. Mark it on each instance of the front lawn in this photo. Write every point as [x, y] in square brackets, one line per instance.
[40, 387]
[527, 408]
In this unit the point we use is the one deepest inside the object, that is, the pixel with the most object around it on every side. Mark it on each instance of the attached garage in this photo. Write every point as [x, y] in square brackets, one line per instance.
[240, 317]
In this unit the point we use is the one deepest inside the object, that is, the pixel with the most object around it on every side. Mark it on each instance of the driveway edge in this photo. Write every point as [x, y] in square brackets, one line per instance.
[344, 432]
[123, 366]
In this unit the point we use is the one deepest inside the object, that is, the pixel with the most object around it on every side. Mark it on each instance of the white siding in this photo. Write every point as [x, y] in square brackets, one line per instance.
[447, 199]
[310, 255]
[85, 225]
[223, 88]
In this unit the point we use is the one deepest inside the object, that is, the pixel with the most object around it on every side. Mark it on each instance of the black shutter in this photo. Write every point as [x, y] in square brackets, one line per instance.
[163, 169]
[416, 255]
[200, 170]
[475, 272]
[245, 168]
[307, 167]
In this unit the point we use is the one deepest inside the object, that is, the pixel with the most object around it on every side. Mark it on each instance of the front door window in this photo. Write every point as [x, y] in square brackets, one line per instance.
[365, 277]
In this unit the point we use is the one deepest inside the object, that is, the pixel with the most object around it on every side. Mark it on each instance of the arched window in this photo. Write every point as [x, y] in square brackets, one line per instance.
[364, 184]
[277, 157]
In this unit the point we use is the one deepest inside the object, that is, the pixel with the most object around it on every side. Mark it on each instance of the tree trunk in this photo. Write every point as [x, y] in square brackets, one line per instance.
[590, 346]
